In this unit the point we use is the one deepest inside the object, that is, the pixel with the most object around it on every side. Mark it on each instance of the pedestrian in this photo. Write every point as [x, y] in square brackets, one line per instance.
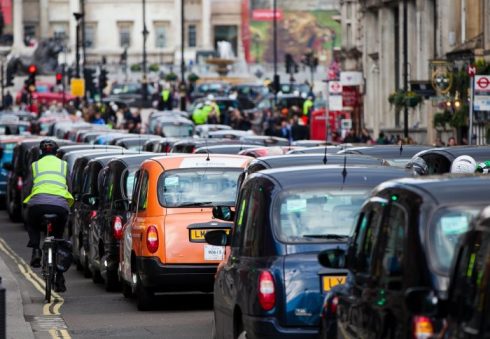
[285, 130]
[238, 122]
[451, 141]
[381, 139]
[366, 137]
[351, 137]
[166, 98]
[307, 107]
[439, 142]
[8, 100]
[298, 130]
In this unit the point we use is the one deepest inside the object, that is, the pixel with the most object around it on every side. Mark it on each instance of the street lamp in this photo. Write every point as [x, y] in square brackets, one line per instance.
[78, 17]
[405, 67]
[276, 76]
[182, 88]
[145, 35]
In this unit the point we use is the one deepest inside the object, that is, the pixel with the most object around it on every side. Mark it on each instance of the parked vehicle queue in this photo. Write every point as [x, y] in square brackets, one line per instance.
[251, 230]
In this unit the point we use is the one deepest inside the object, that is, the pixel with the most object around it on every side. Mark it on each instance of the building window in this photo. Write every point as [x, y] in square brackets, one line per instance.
[90, 35]
[192, 36]
[59, 31]
[160, 35]
[125, 34]
[226, 33]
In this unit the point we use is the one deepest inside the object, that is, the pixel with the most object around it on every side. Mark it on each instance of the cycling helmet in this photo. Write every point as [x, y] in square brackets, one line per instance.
[48, 146]
[463, 164]
[483, 167]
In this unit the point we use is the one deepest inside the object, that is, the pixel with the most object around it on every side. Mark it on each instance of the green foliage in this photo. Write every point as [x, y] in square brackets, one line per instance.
[154, 68]
[136, 68]
[400, 99]
[171, 77]
[193, 77]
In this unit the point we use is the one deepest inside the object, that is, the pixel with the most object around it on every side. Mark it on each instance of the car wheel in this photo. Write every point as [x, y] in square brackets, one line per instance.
[84, 260]
[241, 333]
[144, 296]
[213, 329]
[111, 281]
[96, 277]
[14, 214]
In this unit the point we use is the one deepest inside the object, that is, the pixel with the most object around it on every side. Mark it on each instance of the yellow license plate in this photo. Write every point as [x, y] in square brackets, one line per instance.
[198, 235]
[329, 281]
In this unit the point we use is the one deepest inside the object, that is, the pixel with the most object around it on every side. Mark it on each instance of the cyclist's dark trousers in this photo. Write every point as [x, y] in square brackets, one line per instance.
[36, 223]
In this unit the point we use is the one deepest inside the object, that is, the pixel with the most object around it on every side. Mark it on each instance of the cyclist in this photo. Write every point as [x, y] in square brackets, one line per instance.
[483, 167]
[464, 164]
[49, 195]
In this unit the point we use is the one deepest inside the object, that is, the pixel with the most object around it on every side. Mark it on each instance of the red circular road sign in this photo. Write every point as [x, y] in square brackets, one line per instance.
[483, 82]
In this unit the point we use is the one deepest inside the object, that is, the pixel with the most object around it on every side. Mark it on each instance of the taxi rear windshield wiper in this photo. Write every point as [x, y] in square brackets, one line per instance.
[190, 204]
[325, 236]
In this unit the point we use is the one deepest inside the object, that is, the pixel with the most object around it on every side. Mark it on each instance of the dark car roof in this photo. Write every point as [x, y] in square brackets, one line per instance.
[278, 161]
[479, 153]
[387, 151]
[331, 175]
[133, 159]
[70, 148]
[443, 188]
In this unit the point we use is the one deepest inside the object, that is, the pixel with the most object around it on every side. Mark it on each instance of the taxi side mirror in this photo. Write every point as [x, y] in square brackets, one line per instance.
[217, 238]
[90, 200]
[223, 213]
[8, 166]
[333, 258]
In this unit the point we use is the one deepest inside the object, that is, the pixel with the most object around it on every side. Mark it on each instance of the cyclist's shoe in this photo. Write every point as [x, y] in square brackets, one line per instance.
[59, 284]
[36, 257]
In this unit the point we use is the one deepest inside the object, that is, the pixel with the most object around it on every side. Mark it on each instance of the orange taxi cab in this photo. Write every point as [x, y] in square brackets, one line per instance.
[163, 246]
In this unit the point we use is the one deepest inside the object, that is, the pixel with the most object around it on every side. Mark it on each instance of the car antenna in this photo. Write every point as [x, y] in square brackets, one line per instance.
[325, 156]
[207, 149]
[401, 146]
[344, 170]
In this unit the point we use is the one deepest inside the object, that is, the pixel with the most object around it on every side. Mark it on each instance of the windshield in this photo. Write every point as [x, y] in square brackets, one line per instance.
[177, 131]
[310, 215]
[8, 153]
[447, 226]
[130, 183]
[198, 187]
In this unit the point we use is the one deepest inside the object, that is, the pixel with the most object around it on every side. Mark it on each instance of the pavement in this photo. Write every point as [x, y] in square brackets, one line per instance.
[17, 326]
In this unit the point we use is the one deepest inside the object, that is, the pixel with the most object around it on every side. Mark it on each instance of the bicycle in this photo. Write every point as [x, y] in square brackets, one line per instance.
[49, 256]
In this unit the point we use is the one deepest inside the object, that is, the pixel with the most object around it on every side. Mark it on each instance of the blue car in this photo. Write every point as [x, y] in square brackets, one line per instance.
[7, 145]
[270, 284]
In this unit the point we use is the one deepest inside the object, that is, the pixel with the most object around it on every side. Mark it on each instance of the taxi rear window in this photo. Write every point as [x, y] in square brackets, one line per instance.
[198, 187]
[316, 214]
[447, 226]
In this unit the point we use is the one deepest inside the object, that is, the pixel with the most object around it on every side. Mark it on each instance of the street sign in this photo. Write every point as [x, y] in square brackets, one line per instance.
[471, 70]
[334, 87]
[335, 103]
[351, 78]
[481, 103]
[482, 83]
[77, 87]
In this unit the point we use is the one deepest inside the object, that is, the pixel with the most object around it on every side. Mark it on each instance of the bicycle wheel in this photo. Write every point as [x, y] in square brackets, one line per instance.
[49, 278]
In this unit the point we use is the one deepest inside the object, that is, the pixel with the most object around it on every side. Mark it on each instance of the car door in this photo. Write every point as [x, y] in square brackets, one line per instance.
[227, 279]
[353, 308]
[138, 229]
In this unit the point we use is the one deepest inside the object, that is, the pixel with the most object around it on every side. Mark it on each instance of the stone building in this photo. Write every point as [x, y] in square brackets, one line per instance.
[437, 30]
[113, 25]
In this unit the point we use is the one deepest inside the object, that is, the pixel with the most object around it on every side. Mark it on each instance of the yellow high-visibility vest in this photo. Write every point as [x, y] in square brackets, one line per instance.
[49, 177]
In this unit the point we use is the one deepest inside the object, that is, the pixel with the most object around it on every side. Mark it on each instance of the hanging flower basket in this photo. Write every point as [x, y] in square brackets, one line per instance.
[400, 99]
[412, 99]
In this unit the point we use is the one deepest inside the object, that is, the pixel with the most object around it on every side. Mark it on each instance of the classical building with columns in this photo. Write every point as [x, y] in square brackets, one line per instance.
[437, 30]
[111, 26]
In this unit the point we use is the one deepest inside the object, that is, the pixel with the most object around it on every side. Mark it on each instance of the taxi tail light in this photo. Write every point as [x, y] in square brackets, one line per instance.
[267, 291]
[93, 214]
[168, 149]
[117, 227]
[152, 239]
[20, 183]
[422, 327]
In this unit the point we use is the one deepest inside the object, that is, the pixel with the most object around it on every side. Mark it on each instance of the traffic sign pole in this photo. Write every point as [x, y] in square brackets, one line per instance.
[472, 97]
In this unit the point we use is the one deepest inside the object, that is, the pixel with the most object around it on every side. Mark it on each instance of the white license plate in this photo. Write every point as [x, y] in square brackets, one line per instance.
[214, 252]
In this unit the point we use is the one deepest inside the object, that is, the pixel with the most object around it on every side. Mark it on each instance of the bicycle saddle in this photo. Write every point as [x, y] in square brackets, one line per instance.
[50, 217]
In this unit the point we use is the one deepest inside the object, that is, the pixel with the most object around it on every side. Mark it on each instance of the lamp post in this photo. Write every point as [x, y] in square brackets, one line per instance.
[182, 88]
[144, 80]
[82, 31]
[274, 25]
[77, 16]
[405, 68]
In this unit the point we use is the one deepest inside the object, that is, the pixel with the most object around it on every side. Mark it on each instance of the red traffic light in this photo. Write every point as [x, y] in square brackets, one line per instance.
[32, 69]
[59, 76]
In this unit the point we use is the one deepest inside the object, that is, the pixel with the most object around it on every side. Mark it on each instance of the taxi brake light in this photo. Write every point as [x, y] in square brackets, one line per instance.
[152, 239]
[267, 291]
[422, 327]
[117, 227]
[93, 214]
[20, 183]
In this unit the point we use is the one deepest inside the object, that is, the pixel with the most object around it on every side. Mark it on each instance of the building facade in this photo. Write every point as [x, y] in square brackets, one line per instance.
[112, 26]
[453, 31]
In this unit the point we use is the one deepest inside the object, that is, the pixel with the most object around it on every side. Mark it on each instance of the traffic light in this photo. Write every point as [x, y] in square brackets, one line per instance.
[10, 75]
[59, 78]
[31, 80]
[103, 79]
[90, 85]
[289, 63]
